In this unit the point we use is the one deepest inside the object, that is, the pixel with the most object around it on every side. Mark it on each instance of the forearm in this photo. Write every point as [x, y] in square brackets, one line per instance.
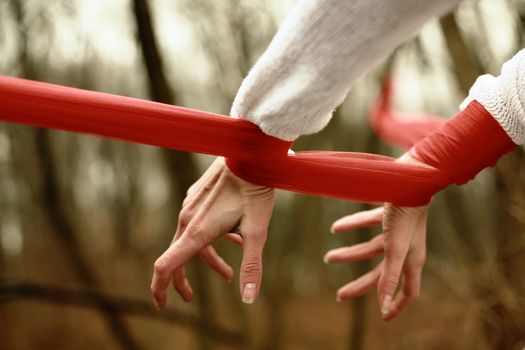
[320, 50]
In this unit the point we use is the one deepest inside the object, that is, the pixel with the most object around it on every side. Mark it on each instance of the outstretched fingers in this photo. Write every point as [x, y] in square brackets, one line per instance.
[367, 250]
[360, 286]
[366, 218]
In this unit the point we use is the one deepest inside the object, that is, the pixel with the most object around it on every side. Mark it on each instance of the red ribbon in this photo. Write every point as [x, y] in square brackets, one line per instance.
[461, 146]
[250, 153]
[397, 128]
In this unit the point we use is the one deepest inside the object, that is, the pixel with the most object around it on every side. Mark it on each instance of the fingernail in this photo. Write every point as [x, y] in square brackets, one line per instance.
[325, 259]
[332, 230]
[249, 293]
[157, 306]
[385, 305]
[338, 298]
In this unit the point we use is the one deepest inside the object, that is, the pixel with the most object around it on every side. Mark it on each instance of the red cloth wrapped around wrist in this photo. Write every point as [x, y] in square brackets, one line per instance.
[458, 150]
[464, 145]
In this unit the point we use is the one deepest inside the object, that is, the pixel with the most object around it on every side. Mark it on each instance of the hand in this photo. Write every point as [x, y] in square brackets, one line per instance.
[403, 243]
[218, 203]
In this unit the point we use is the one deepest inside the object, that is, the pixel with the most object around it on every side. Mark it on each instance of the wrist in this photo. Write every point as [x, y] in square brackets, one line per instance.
[464, 145]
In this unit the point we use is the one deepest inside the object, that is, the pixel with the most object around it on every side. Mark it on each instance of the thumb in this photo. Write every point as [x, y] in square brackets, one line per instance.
[398, 227]
[251, 266]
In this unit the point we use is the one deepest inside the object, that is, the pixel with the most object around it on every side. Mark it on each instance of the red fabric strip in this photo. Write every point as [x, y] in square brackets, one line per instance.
[461, 146]
[58, 107]
[398, 128]
[466, 144]
[251, 154]
[345, 175]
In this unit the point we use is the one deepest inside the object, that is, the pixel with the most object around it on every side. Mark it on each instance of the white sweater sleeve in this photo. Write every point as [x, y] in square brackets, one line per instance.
[322, 47]
[504, 96]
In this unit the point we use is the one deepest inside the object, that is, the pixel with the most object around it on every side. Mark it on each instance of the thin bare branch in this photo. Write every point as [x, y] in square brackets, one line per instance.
[13, 292]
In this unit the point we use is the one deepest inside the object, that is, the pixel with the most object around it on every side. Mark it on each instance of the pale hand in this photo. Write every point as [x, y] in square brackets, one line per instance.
[403, 243]
[217, 204]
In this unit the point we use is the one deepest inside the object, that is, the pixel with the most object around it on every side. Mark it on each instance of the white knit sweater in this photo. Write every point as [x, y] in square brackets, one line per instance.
[323, 46]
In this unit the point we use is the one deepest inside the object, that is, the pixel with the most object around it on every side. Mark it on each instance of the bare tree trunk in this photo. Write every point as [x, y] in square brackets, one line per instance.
[54, 209]
[182, 168]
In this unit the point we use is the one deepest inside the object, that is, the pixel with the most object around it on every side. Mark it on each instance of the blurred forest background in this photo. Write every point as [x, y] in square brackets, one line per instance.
[82, 219]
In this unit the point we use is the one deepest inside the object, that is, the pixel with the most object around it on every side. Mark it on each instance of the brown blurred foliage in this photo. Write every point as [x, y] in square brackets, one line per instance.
[82, 219]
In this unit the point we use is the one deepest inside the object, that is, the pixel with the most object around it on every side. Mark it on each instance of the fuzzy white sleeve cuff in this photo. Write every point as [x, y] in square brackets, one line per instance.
[322, 47]
[504, 96]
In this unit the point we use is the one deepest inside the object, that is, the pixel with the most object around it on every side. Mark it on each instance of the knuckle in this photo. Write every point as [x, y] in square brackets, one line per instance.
[161, 266]
[251, 268]
[155, 293]
[391, 282]
[421, 258]
[196, 236]
[419, 263]
[185, 216]
[191, 190]
[415, 263]
[259, 237]
[195, 232]
[395, 247]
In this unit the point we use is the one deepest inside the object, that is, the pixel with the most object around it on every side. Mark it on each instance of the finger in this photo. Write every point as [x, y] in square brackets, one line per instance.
[254, 231]
[411, 290]
[366, 250]
[179, 280]
[181, 284]
[402, 227]
[193, 202]
[367, 218]
[398, 229]
[189, 244]
[216, 262]
[251, 266]
[195, 237]
[360, 286]
[411, 275]
[235, 238]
